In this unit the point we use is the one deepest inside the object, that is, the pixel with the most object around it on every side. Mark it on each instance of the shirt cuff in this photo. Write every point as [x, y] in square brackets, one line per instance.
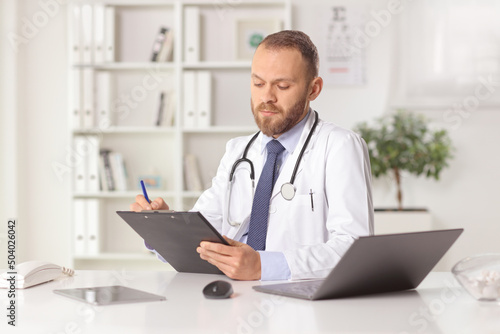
[154, 251]
[273, 266]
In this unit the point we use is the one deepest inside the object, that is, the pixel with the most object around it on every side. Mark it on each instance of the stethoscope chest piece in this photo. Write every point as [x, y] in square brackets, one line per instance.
[288, 191]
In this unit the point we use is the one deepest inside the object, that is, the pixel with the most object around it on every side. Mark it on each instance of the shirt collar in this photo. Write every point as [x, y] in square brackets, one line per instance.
[289, 139]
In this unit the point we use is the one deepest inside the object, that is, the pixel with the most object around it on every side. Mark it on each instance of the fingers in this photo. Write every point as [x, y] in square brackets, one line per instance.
[135, 207]
[217, 248]
[159, 204]
[233, 242]
[241, 263]
[142, 204]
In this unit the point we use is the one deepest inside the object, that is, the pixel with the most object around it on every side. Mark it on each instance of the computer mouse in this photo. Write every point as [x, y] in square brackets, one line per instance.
[218, 290]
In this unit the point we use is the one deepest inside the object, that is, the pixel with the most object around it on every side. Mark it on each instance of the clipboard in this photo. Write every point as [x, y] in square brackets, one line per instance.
[175, 235]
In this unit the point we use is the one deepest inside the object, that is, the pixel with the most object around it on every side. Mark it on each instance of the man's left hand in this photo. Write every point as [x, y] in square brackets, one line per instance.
[238, 260]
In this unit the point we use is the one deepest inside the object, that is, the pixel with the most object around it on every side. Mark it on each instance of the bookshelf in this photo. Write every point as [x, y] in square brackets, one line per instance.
[114, 103]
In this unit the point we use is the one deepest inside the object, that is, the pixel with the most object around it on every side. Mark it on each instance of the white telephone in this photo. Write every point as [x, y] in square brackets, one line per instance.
[33, 273]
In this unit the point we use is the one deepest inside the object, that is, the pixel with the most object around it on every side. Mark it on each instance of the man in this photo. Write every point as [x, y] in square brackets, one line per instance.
[295, 233]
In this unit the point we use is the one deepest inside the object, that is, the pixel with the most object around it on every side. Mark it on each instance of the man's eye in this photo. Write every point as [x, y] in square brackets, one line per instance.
[283, 87]
[258, 84]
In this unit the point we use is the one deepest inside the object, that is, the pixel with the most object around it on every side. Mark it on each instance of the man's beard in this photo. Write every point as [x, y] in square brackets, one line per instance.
[271, 126]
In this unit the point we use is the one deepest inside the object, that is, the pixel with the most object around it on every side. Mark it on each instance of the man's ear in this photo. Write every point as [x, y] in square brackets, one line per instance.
[316, 87]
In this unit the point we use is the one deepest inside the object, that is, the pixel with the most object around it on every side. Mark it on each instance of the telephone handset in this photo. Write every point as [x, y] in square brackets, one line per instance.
[32, 273]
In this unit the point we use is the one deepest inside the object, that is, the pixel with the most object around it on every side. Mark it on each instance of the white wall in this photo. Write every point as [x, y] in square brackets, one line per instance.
[467, 195]
[43, 136]
[8, 126]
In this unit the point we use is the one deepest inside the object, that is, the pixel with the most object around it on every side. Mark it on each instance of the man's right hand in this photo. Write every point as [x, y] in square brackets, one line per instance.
[141, 204]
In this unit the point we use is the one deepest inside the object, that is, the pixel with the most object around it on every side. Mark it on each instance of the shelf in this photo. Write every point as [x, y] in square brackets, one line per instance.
[223, 129]
[230, 4]
[123, 194]
[134, 3]
[128, 66]
[114, 99]
[126, 130]
[218, 65]
[117, 256]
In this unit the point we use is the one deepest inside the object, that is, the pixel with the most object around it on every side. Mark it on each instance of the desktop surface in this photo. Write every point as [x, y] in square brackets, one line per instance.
[439, 305]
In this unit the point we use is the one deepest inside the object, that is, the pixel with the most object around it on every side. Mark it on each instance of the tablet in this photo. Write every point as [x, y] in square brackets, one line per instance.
[175, 236]
[108, 295]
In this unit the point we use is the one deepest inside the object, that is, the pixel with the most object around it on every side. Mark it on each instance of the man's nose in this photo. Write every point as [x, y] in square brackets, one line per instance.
[268, 95]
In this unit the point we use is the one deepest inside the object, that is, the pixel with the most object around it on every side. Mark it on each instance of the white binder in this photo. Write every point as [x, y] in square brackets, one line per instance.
[92, 161]
[77, 35]
[192, 34]
[189, 99]
[109, 34]
[88, 98]
[98, 43]
[86, 25]
[93, 227]
[79, 230]
[204, 99]
[80, 171]
[77, 100]
[103, 99]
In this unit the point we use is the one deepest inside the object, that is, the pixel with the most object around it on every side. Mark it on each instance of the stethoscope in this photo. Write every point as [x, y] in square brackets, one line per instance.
[287, 189]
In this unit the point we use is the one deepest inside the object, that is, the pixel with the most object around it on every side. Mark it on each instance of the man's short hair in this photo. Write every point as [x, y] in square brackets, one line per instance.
[294, 39]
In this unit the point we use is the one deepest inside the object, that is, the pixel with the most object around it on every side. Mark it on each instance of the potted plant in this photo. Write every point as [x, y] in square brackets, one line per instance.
[403, 141]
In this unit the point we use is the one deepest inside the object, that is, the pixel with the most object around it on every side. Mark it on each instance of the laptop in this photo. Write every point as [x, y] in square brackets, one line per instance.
[375, 264]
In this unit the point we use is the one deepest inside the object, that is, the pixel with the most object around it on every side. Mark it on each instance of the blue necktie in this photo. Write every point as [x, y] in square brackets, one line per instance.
[257, 231]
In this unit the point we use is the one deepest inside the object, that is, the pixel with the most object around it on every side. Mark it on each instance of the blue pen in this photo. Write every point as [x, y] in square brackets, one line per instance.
[145, 193]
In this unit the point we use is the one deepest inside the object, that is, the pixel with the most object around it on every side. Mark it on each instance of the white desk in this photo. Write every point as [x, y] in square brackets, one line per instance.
[437, 306]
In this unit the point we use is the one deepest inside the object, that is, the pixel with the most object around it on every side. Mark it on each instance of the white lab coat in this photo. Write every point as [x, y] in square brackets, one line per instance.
[335, 167]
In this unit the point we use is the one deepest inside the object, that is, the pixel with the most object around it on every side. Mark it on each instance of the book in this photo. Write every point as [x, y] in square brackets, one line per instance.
[106, 174]
[165, 53]
[118, 171]
[161, 108]
[192, 173]
[158, 43]
[112, 171]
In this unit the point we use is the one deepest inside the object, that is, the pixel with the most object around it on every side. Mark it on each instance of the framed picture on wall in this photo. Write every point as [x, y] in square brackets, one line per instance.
[250, 32]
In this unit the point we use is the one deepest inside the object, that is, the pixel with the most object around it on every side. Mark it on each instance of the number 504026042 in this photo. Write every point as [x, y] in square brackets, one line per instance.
[11, 244]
